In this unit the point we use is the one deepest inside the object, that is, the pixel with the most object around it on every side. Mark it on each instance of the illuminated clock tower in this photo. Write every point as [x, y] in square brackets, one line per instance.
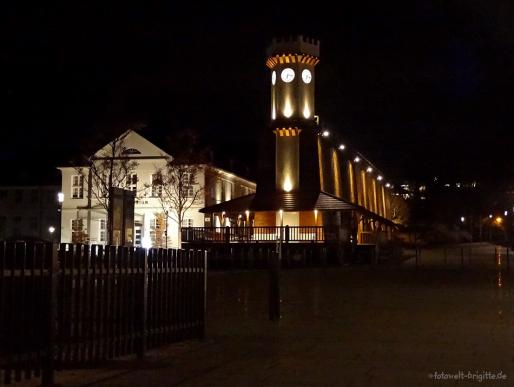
[292, 63]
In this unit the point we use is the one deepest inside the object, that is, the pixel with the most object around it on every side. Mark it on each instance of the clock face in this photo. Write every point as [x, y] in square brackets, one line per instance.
[306, 76]
[273, 77]
[287, 75]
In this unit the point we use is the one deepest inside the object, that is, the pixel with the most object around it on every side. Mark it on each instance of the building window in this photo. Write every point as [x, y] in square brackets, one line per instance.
[156, 186]
[18, 195]
[77, 186]
[102, 227]
[34, 195]
[132, 182]
[188, 191]
[157, 230]
[33, 224]
[187, 222]
[77, 231]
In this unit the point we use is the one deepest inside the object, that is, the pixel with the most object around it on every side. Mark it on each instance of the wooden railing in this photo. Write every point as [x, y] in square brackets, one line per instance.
[253, 234]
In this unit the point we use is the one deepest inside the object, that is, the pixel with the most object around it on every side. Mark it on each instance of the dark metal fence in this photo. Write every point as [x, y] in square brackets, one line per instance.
[83, 304]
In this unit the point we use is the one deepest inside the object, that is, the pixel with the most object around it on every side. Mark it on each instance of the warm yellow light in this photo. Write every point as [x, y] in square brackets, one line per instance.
[316, 217]
[306, 111]
[288, 184]
[273, 113]
[498, 220]
[288, 109]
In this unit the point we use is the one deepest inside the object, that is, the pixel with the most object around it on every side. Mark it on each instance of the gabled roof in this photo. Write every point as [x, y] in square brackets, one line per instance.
[138, 145]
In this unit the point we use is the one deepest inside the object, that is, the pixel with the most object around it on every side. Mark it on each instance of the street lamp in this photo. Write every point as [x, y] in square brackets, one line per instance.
[51, 229]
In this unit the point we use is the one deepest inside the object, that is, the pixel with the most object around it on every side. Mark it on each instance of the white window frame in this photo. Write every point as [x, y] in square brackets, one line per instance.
[188, 222]
[156, 189]
[102, 230]
[77, 186]
[130, 185]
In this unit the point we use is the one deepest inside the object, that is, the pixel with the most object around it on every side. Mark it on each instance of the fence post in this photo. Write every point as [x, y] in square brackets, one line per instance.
[142, 308]
[48, 361]
[287, 233]
[202, 334]
[227, 234]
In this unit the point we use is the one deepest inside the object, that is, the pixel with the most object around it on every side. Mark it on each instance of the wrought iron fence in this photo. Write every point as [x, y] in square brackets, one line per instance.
[81, 304]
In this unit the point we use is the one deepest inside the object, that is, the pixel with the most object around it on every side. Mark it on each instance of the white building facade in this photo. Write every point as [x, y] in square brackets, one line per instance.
[81, 222]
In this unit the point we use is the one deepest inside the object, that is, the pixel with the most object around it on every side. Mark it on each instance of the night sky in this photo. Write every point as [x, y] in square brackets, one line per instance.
[422, 89]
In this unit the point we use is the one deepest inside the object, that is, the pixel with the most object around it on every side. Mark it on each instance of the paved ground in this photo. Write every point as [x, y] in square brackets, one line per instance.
[350, 326]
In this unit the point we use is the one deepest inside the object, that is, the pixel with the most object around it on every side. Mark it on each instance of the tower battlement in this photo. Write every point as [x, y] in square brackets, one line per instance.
[293, 45]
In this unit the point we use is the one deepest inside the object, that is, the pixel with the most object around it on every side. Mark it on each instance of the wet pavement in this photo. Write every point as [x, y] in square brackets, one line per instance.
[387, 325]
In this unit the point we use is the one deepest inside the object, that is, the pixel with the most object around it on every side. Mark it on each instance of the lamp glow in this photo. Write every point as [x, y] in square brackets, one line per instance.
[341, 147]
[60, 197]
[388, 185]
[462, 219]
[498, 220]
[306, 111]
[288, 109]
[369, 169]
[505, 212]
[357, 159]
[288, 185]
[325, 133]
[379, 177]
[51, 229]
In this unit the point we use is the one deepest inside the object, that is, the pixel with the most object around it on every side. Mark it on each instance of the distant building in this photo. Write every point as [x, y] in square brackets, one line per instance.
[88, 223]
[29, 212]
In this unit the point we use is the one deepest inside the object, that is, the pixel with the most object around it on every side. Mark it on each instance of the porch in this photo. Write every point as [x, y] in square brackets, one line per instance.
[271, 234]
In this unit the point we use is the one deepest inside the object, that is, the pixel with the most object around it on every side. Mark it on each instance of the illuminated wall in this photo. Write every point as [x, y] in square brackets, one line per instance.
[287, 167]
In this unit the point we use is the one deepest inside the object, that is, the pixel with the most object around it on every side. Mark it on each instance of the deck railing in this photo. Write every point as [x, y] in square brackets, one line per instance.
[254, 234]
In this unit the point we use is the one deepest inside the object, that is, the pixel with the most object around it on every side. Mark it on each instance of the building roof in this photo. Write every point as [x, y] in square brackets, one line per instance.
[287, 201]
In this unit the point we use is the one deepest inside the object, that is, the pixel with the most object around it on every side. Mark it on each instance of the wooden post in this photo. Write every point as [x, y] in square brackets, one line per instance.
[274, 286]
[48, 362]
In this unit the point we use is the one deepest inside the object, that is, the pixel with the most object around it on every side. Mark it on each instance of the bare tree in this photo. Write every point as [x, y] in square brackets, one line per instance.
[400, 212]
[178, 190]
[111, 167]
